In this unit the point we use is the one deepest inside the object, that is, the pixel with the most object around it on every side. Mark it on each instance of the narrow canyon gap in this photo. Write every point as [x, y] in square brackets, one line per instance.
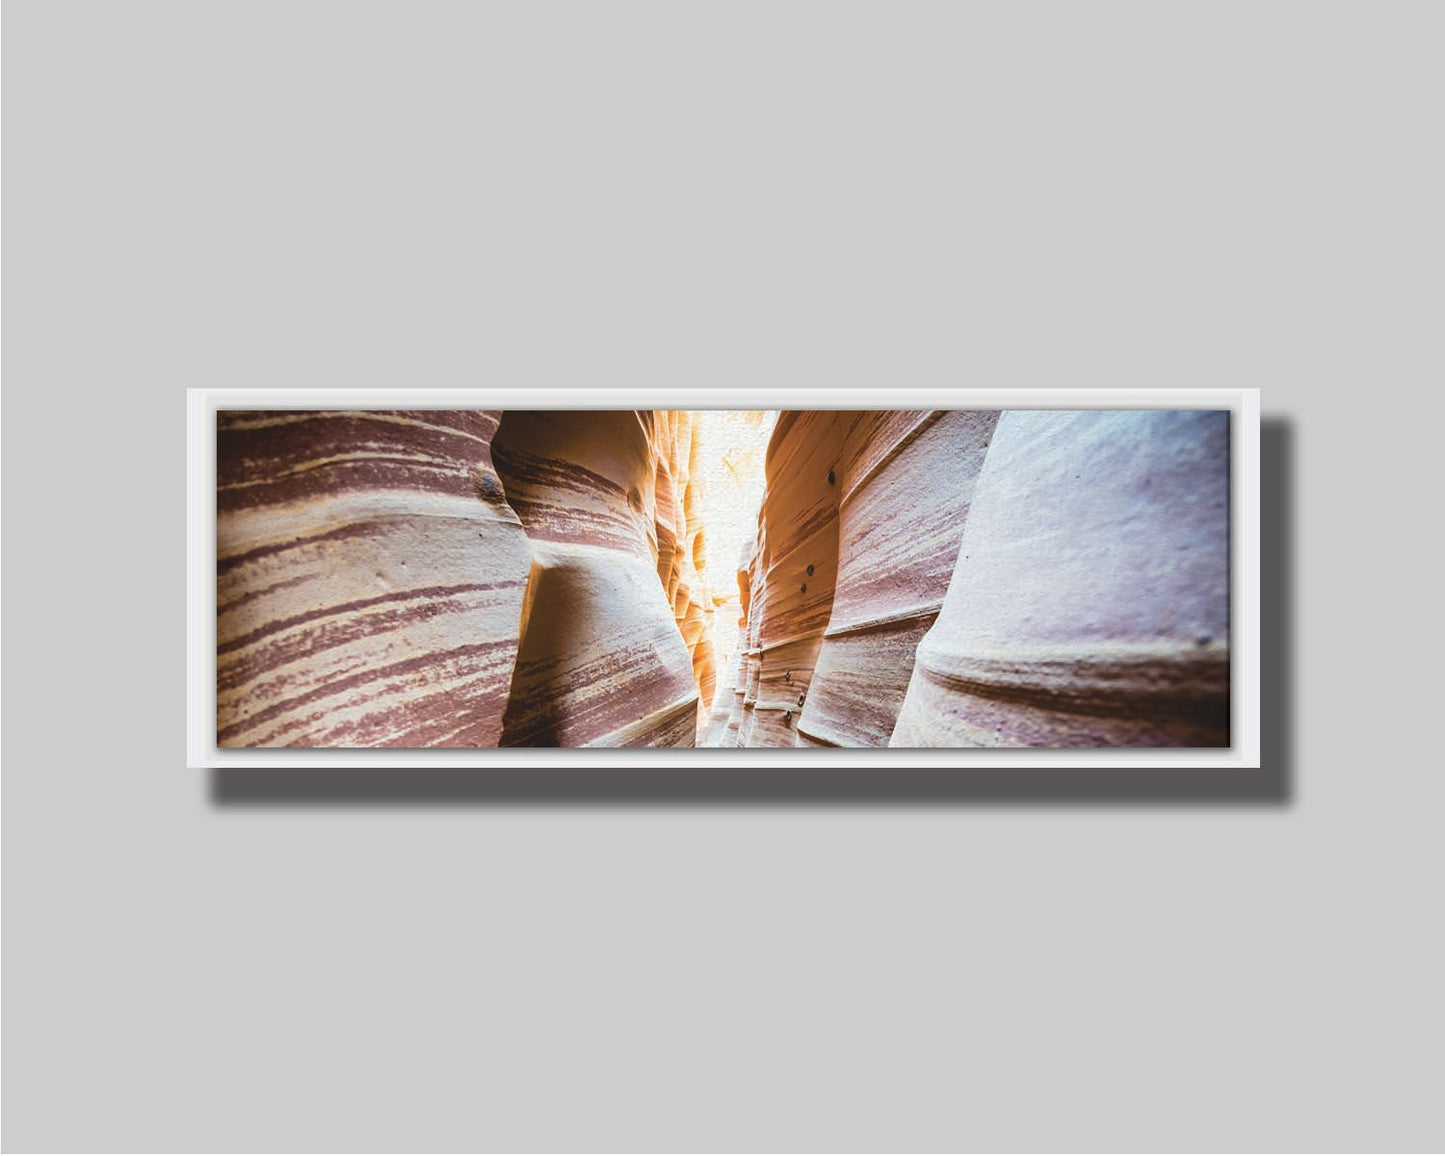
[897, 578]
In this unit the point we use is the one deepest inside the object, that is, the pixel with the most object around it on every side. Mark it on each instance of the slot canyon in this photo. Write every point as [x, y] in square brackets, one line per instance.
[881, 578]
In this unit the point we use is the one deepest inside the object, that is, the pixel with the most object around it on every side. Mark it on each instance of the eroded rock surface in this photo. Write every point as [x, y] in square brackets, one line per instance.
[955, 578]
[856, 543]
[917, 578]
[369, 579]
[450, 578]
[907, 478]
[1090, 601]
[602, 660]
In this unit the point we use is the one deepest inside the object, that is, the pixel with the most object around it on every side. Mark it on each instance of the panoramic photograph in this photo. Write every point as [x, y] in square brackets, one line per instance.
[815, 578]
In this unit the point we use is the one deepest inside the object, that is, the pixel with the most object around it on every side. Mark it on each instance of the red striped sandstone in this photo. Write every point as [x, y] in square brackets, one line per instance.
[427, 578]
[857, 538]
[369, 580]
[377, 587]
[907, 478]
[680, 546]
[1042, 579]
[602, 661]
[725, 718]
[788, 606]
[1090, 602]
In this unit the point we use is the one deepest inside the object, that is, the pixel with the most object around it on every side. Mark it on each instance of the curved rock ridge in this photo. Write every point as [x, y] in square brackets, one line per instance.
[791, 575]
[604, 659]
[681, 557]
[917, 578]
[726, 714]
[907, 479]
[857, 537]
[972, 578]
[1089, 604]
[369, 579]
[449, 578]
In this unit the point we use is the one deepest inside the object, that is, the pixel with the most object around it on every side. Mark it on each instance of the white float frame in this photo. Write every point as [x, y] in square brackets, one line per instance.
[1244, 533]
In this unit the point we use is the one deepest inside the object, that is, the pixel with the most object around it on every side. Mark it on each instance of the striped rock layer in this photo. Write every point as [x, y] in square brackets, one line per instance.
[723, 721]
[918, 578]
[681, 557]
[1089, 605]
[966, 578]
[906, 480]
[604, 657]
[447, 578]
[369, 580]
[856, 542]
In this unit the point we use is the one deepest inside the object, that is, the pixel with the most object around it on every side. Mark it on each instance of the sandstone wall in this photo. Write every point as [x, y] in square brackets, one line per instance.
[369, 580]
[447, 578]
[1090, 601]
[602, 660]
[917, 578]
[726, 715]
[681, 558]
[856, 542]
[906, 481]
[956, 578]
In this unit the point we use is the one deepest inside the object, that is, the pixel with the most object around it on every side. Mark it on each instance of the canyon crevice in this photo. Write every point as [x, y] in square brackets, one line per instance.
[539, 578]
[447, 578]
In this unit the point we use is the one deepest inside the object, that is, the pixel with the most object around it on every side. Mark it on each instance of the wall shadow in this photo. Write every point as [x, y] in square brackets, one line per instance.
[671, 783]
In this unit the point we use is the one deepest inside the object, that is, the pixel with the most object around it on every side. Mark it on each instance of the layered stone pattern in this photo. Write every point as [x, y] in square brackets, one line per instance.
[856, 543]
[791, 575]
[972, 578]
[681, 547]
[726, 716]
[907, 478]
[446, 578]
[1089, 605]
[602, 660]
[370, 578]
[917, 578]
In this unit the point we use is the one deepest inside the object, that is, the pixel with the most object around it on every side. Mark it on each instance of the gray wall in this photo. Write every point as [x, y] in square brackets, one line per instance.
[449, 194]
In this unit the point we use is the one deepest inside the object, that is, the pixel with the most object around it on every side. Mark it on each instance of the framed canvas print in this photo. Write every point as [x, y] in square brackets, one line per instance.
[973, 577]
